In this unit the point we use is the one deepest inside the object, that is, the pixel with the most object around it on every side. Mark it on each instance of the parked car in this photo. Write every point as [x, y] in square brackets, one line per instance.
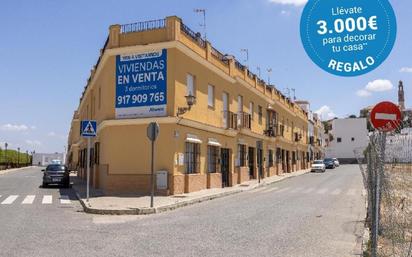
[336, 162]
[329, 163]
[56, 174]
[318, 165]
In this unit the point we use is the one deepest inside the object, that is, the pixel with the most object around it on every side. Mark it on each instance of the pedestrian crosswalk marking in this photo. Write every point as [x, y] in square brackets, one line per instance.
[47, 199]
[336, 191]
[64, 199]
[29, 199]
[10, 199]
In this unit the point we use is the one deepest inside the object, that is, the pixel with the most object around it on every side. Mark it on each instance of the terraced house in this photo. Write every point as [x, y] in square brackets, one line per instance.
[220, 124]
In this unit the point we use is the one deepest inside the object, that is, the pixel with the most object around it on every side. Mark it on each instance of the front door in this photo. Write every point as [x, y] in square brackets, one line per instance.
[251, 154]
[224, 167]
[287, 162]
[260, 162]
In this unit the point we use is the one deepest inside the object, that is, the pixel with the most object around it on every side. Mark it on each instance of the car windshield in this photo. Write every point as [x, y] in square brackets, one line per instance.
[328, 160]
[56, 168]
[318, 162]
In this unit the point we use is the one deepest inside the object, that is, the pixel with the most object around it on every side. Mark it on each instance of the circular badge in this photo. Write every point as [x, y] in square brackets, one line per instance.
[348, 37]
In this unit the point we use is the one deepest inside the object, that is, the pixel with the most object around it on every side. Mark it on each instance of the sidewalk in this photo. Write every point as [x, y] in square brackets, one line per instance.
[135, 205]
[2, 172]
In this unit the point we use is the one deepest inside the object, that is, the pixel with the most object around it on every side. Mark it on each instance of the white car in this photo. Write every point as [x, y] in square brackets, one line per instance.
[336, 161]
[318, 165]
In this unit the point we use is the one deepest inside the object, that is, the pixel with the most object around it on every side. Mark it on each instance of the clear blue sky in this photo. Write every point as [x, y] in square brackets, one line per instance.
[47, 49]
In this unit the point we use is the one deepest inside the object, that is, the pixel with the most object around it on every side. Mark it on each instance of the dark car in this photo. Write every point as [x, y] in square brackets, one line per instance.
[56, 174]
[329, 163]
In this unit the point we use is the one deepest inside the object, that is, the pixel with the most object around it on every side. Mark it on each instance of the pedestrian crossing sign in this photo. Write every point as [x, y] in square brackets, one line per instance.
[89, 128]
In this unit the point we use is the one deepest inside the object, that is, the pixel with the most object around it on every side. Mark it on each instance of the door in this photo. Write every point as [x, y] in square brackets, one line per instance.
[287, 162]
[251, 155]
[260, 162]
[224, 167]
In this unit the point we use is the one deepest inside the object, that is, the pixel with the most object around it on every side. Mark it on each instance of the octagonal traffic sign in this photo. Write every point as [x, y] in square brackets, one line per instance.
[386, 116]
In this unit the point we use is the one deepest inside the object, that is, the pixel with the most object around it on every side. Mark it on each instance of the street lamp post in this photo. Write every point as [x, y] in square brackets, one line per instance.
[18, 157]
[5, 155]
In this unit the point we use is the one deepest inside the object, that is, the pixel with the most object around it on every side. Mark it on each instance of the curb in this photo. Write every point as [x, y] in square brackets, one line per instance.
[148, 210]
[2, 172]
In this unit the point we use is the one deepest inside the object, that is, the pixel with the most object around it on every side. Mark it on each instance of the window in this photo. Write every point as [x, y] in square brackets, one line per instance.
[212, 159]
[192, 158]
[252, 110]
[241, 155]
[190, 83]
[211, 96]
[100, 97]
[353, 139]
[271, 158]
[339, 140]
[96, 153]
[239, 104]
[293, 157]
[260, 114]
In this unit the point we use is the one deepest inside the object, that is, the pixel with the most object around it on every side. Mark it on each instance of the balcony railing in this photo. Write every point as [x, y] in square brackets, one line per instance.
[229, 120]
[195, 36]
[271, 130]
[142, 26]
[244, 120]
[239, 66]
[220, 56]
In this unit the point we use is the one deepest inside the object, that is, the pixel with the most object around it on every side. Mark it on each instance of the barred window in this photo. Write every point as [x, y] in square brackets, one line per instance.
[270, 158]
[192, 158]
[212, 159]
[241, 154]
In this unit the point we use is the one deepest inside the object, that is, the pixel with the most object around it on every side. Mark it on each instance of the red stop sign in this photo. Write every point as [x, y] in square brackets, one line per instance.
[386, 116]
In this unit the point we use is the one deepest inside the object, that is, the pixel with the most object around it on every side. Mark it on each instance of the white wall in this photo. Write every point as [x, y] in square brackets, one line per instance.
[44, 159]
[346, 129]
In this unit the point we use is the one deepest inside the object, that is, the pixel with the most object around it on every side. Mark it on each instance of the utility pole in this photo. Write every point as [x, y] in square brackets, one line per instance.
[202, 11]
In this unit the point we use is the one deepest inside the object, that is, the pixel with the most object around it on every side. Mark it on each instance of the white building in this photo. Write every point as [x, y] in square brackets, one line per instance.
[347, 135]
[44, 159]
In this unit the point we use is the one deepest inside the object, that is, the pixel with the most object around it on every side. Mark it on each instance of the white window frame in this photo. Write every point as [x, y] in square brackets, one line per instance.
[211, 96]
[190, 85]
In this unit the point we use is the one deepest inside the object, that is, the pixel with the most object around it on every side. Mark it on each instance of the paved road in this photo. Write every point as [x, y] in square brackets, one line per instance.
[310, 215]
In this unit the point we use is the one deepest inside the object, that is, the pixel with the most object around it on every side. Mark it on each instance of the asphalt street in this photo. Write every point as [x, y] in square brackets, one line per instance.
[316, 214]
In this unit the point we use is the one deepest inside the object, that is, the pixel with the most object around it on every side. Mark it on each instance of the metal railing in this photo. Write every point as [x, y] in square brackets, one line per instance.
[195, 36]
[229, 120]
[244, 120]
[143, 26]
[250, 74]
[239, 66]
[219, 56]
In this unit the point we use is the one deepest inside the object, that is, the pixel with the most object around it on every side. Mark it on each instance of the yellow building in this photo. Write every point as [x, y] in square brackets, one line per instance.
[236, 126]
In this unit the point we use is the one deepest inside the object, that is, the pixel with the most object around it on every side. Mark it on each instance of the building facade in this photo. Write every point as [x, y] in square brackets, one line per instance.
[44, 159]
[220, 124]
[347, 136]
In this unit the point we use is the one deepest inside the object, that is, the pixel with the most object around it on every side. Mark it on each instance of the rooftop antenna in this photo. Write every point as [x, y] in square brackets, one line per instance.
[258, 69]
[294, 94]
[287, 92]
[246, 51]
[202, 11]
[269, 70]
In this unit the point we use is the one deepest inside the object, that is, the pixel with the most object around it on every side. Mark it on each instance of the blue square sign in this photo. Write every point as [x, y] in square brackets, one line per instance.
[88, 128]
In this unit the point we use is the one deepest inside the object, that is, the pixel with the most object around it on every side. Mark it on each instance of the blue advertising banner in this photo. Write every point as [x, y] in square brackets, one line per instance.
[141, 85]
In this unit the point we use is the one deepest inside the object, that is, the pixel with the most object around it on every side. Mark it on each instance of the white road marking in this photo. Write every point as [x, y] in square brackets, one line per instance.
[336, 191]
[307, 191]
[64, 199]
[351, 192]
[47, 199]
[322, 191]
[29, 199]
[10, 199]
